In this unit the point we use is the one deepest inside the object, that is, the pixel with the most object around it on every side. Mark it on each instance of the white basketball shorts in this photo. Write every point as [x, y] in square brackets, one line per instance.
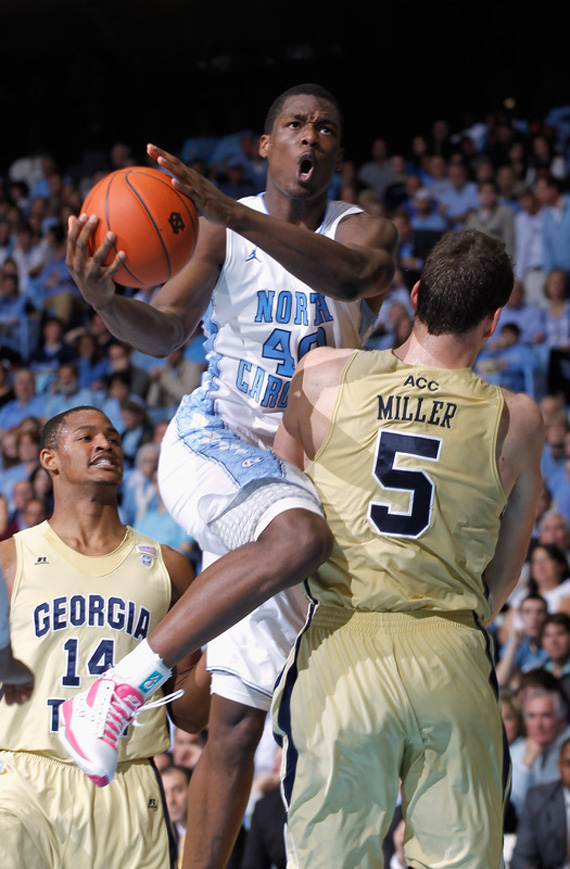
[224, 491]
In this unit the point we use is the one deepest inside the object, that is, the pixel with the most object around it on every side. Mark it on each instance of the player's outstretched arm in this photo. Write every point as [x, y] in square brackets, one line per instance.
[519, 466]
[16, 680]
[358, 263]
[175, 310]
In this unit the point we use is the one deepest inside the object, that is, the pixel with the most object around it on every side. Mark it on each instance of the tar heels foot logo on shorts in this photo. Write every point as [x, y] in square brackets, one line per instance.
[248, 463]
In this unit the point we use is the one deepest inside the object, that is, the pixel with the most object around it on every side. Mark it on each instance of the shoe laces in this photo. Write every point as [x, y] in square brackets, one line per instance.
[124, 710]
[154, 704]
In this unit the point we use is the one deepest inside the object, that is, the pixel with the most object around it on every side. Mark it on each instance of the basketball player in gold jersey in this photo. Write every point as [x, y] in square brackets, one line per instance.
[429, 479]
[85, 589]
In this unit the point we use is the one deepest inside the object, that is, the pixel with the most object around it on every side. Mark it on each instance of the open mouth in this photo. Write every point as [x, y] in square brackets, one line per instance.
[104, 461]
[305, 167]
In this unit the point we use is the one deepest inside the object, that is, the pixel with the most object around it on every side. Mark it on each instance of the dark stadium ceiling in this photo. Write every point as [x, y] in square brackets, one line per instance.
[79, 72]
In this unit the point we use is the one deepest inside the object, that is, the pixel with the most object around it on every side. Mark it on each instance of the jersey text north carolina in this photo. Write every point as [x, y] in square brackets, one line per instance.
[260, 323]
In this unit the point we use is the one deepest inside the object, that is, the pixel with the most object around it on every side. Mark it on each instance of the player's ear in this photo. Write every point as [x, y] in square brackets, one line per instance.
[339, 159]
[414, 295]
[48, 460]
[494, 320]
[263, 145]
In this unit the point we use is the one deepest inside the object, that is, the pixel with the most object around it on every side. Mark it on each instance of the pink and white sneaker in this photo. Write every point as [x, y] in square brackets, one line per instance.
[93, 722]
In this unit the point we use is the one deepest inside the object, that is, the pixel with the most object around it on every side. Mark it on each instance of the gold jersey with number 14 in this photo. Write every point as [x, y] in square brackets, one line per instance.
[73, 617]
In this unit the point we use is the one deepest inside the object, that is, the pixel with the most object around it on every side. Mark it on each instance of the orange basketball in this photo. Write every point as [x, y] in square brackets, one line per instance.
[154, 224]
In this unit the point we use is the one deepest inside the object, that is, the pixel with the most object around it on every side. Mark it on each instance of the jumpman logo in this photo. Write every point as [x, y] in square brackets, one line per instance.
[253, 255]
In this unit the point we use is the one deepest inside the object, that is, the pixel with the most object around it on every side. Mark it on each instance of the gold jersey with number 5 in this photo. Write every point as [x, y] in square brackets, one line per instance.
[395, 444]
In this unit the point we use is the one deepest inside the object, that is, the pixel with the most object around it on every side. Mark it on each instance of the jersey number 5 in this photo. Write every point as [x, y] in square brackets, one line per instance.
[416, 519]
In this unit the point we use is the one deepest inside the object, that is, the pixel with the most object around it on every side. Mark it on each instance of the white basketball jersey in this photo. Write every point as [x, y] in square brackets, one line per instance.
[260, 322]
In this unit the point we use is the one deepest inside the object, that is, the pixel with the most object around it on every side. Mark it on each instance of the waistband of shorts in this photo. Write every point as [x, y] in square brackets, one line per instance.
[46, 758]
[371, 622]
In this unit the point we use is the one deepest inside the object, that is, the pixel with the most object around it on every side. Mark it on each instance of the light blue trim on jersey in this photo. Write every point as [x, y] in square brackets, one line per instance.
[211, 329]
[199, 424]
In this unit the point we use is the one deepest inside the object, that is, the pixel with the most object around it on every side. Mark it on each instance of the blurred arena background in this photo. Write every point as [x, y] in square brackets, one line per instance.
[83, 74]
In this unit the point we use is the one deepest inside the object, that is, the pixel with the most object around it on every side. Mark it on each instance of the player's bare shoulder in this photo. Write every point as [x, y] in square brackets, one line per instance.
[320, 369]
[316, 381]
[525, 417]
[521, 440]
[179, 569]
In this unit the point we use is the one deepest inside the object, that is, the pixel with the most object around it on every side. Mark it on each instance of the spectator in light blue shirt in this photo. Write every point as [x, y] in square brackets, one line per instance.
[26, 402]
[526, 315]
[555, 224]
[460, 199]
[509, 363]
[535, 758]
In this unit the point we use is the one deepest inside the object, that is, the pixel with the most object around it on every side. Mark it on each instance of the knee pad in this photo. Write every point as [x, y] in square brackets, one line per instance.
[257, 504]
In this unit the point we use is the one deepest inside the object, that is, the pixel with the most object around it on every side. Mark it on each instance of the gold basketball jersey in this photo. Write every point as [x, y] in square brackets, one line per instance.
[72, 617]
[409, 483]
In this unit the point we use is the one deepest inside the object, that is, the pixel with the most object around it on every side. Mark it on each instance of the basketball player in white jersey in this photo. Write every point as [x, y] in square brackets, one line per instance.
[85, 590]
[272, 276]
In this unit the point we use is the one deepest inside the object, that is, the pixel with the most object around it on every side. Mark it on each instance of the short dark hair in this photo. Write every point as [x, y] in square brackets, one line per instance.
[310, 89]
[553, 181]
[511, 327]
[467, 275]
[53, 428]
[175, 767]
[534, 595]
[538, 677]
[557, 555]
[558, 618]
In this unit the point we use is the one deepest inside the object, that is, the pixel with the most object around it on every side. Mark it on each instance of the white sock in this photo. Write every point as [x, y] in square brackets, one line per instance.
[143, 669]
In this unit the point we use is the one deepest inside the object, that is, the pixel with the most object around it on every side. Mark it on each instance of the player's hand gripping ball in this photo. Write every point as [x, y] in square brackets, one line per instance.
[154, 224]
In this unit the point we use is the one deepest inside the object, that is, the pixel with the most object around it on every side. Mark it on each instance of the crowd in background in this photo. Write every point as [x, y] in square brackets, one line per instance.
[506, 176]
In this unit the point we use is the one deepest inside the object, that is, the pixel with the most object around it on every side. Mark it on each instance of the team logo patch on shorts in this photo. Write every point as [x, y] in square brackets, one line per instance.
[248, 463]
